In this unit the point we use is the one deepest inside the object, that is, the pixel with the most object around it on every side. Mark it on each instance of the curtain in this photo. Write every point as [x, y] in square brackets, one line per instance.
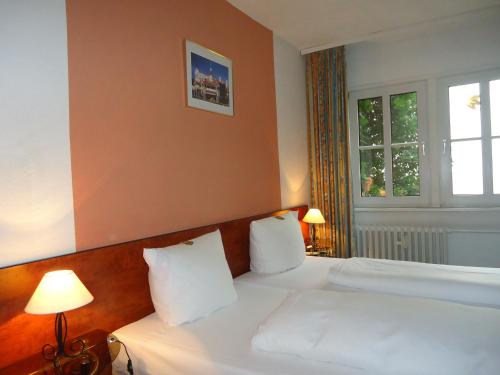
[328, 139]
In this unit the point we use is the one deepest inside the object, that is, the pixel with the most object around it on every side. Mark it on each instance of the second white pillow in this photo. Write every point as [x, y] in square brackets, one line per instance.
[276, 245]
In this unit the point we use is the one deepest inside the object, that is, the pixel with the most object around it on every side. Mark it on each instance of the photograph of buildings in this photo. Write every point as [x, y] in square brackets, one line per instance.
[210, 80]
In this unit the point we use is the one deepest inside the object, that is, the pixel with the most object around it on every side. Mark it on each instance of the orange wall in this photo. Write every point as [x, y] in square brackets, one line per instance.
[143, 163]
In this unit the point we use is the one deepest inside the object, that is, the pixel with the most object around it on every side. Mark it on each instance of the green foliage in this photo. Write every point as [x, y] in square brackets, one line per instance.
[371, 122]
[372, 172]
[404, 119]
[405, 159]
[405, 176]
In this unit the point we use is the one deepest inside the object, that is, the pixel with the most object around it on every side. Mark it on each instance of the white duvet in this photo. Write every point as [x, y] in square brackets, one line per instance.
[470, 285]
[385, 334]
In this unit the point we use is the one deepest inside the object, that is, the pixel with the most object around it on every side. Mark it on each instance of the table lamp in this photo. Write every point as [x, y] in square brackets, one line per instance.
[58, 291]
[314, 216]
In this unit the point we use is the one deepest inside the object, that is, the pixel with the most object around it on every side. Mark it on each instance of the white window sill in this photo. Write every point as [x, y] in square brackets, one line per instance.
[427, 209]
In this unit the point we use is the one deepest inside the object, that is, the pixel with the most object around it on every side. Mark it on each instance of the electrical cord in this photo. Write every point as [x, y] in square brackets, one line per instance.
[130, 369]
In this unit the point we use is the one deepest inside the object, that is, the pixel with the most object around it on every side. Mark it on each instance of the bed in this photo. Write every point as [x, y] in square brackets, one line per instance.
[221, 343]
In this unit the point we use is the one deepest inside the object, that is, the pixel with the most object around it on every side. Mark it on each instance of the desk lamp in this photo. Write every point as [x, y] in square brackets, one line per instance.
[58, 291]
[314, 216]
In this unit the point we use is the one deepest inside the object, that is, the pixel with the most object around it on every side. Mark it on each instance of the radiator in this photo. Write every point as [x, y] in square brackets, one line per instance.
[417, 244]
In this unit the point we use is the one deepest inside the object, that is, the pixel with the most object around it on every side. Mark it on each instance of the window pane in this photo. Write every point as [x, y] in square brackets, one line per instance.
[404, 120]
[371, 164]
[496, 165]
[371, 122]
[495, 106]
[405, 173]
[465, 111]
[467, 167]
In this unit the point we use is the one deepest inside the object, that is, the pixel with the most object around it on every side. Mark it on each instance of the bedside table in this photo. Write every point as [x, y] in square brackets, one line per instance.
[96, 352]
[322, 250]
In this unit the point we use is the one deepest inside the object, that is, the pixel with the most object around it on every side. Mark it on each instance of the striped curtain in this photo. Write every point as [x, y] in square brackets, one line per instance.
[328, 139]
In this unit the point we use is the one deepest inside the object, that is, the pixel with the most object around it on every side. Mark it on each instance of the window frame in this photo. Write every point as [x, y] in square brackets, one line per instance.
[488, 198]
[424, 171]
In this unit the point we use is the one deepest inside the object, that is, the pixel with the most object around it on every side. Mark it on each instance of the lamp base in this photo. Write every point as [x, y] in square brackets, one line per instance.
[314, 241]
[56, 353]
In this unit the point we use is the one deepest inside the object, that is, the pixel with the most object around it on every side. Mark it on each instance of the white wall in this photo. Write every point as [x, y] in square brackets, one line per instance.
[290, 73]
[471, 44]
[36, 202]
[456, 47]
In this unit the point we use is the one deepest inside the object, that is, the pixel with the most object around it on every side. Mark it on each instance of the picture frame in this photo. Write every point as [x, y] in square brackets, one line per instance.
[209, 80]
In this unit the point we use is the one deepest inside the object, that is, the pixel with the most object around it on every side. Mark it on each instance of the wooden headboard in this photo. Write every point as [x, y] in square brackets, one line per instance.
[117, 277]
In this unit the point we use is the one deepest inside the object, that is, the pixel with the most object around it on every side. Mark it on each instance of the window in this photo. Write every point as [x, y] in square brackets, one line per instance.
[471, 139]
[387, 146]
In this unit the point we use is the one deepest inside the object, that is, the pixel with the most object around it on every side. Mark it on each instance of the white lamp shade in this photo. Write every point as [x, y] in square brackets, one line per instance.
[314, 216]
[58, 291]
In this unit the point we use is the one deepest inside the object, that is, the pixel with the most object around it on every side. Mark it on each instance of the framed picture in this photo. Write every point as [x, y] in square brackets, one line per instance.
[209, 80]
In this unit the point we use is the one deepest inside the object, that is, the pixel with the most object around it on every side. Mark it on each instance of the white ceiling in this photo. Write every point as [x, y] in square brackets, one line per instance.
[312, 25]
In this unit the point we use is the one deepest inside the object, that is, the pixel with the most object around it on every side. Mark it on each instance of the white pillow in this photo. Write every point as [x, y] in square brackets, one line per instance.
[190, 280]
[276, 245]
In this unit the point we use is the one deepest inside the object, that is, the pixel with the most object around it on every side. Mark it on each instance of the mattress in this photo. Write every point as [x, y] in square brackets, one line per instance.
[219, 344]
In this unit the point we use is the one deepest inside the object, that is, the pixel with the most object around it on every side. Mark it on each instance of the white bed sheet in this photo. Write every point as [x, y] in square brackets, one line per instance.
[219, 344]
[385, 333]
[459, 284]
[312, 274]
